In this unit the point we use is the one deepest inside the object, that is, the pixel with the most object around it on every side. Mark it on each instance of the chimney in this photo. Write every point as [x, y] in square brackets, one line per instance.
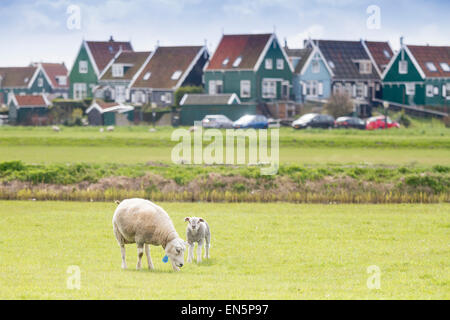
[111, 39]
[285, 43]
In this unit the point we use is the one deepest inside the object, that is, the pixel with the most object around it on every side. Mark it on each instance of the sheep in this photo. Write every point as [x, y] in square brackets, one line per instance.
[110, 128]
[197, 231]
[101, 130]
[55, 128]
[143, 222]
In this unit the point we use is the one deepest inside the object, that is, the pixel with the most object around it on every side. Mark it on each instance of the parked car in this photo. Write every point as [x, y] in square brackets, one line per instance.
[314, 120]
[274, 123]
[217, 121]
[3, 119]
[251, 121]
[379, 122]
[350, 122]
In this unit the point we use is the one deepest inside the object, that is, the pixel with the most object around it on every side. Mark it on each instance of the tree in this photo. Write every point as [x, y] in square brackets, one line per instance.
[183, 90]
[339, 105]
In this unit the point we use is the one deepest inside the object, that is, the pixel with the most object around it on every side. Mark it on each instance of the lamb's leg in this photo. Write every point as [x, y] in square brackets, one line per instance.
[140, 250]
[190, 252]
[149, 259]
[122, 251]
[207, 245]
[199, 251]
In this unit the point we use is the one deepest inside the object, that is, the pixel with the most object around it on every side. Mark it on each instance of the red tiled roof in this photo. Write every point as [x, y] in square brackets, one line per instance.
[247, 46]
[104, 51]
[17, 77]
[136, 59]
[54, 70]
[381, 53]
[164, 63]
[434, 54]
[30, 101]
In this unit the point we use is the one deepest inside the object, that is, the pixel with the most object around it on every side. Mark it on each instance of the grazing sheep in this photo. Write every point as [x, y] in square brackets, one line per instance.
[110, 128]
[101, 130]
[56, 128]
[197, 231]
[143, 222]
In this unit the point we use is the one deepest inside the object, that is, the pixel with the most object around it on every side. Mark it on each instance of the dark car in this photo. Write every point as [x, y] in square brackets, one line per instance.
[350, 122]
[251, 121]
[313, 120]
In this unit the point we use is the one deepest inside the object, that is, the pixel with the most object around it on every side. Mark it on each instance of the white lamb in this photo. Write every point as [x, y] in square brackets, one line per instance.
[143, 222]
[197, 231]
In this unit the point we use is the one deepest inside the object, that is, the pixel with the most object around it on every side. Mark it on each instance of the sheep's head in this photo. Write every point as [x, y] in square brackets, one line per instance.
[194, 222]
[175, 251]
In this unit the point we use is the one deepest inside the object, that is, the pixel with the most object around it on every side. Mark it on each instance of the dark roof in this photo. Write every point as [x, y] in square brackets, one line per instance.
[302, 54]
[16, 76]
[206, 99]
[30, 101]
[247, 46]
[164, 63]
[53, 70]
[344, 55]
[434, 54]
[135, 59]
[104, 51]
[381, 53]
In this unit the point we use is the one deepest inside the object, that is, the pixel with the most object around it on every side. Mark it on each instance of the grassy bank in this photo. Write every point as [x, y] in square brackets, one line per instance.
[293, 183]
[259, 251]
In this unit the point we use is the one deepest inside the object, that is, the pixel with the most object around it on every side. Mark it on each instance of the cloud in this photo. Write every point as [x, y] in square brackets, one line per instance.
[314, 31]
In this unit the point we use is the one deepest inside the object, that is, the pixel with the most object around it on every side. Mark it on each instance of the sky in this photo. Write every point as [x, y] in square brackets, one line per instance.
[52, 30]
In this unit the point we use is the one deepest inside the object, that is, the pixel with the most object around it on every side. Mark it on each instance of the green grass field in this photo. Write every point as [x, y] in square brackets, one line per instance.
[259, 251]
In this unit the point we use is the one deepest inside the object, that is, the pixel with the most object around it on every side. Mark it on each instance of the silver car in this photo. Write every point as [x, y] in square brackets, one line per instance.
[217, 121]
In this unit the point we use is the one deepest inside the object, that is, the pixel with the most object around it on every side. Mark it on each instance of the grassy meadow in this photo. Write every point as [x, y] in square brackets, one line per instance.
[259, 251]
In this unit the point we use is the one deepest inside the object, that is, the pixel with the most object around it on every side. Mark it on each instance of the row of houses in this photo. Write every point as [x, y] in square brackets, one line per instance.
[246, 73]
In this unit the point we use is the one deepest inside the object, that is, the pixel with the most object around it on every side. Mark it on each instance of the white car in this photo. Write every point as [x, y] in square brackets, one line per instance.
[217, 121]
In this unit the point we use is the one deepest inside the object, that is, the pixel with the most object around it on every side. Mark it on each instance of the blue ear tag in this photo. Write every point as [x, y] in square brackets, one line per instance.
[165, 259]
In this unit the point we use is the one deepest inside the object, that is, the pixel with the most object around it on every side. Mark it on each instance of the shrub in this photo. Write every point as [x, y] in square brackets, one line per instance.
[339, 105]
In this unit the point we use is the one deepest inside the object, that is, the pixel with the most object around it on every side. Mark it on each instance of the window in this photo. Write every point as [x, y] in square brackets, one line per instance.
[215, 86]
[40, 82]
[386, 54]
[429, 90]
[446, 90]
[359, 90]
[79, 91]
[147, 75]
[436, 91]
[410, 89]
[168, 97]
[431, 67]
[268, 64]
[331, 63]
[117, 70]
[349, 90]
[315, 66]
[444, 66]
[403, 67]
[176, 75]
[120, 94]
[225, 61]
[83, 66]
[269, 89]
[365, 67]
[138, 97]
[337, 89]
[62, 80]
[312, 89]
[237, 62]
[245, 88]
[280, 64]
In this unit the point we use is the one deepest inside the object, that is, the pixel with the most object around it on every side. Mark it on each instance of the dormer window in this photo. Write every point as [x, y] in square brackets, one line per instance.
[26, 80]
[431, 67]
[117, 70]
[386, 54]
[237, 62]
[331, 63]
[40, 82]
[225, 61]
[444, 66]
[176, 75]
[365, 67]
[147, 75]
[62, 80]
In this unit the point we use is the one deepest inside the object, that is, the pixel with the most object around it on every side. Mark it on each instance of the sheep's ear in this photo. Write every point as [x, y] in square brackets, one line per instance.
[186, 219]
[201, 220]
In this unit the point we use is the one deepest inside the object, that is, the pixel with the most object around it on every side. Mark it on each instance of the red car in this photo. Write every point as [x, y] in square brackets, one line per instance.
[379, 122]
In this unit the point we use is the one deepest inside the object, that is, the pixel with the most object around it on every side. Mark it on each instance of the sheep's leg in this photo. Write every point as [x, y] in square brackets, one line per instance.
[140, 250]
[190, 252]
[149, 259]
[207, 249]
[199, 251]
[122, 251]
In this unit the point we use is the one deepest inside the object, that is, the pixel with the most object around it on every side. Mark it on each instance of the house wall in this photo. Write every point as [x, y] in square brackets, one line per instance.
[90, 78]
[232, 82]
[437, 99]
[33, 89]
[95, 118]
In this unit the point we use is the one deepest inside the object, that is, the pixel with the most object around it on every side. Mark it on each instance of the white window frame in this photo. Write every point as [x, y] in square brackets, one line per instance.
[245, 89]
[436, 90]
[176, 75]
[431, 66]
[365, 67]
[138, 97]
[268, 63]
[40, 82]
[403, 67]
[446, 91]
[79, 91]
[445, 66]
[83, 66]
[120, 93]
[359, 87]
[280, 64]
[269, 89]
[410, 89]
[315, 66]
[429, 90]
[117, 70]
[168, 98]
[213, 85]
[62, 80]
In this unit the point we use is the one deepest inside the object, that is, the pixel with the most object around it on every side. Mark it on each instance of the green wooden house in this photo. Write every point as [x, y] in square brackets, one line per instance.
[28, 109]
[253, 66]
[91, 60]
[23, 81]
[418, 75]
